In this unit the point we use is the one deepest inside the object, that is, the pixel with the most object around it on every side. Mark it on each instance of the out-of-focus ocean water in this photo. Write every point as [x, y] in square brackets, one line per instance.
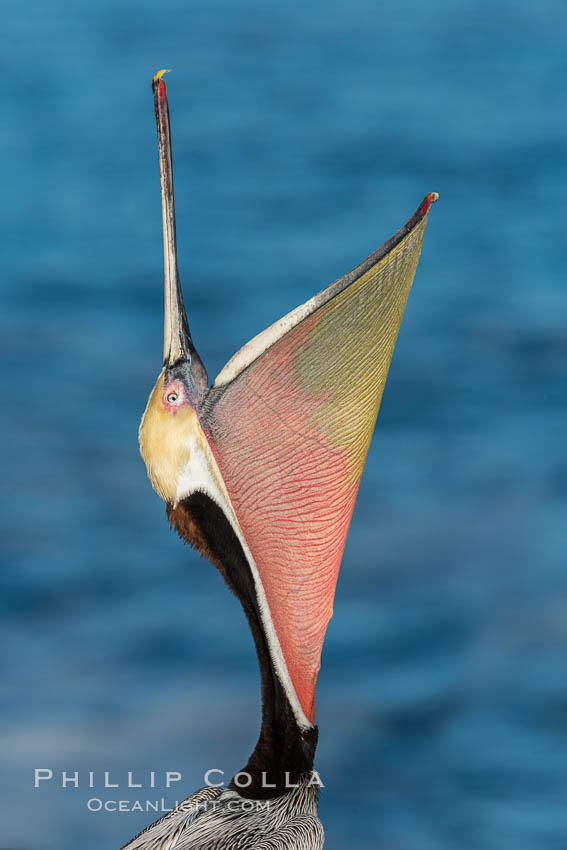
[304, 135]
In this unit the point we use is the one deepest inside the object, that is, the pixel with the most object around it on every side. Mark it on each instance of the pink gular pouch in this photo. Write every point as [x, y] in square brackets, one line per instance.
[291, 433]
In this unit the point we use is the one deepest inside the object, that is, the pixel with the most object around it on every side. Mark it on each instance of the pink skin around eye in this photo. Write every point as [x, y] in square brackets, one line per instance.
[175, 388]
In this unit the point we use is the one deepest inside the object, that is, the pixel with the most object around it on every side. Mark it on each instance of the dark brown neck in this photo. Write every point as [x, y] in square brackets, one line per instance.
[284, 752]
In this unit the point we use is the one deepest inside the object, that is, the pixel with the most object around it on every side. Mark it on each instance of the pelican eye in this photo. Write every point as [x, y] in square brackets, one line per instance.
[172, 398]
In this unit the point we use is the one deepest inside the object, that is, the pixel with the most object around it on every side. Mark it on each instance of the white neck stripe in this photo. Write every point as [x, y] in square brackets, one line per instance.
[196, 477]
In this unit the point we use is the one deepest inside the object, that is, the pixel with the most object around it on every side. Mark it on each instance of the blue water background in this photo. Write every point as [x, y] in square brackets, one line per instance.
[305, 134]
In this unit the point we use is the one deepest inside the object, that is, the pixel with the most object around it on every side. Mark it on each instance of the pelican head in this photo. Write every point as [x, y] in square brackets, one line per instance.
[170, 419]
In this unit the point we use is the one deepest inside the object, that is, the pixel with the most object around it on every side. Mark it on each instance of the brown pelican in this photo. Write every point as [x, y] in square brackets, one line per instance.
[260, 473]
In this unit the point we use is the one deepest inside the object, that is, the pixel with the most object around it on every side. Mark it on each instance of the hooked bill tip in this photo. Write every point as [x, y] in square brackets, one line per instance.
[159, 74]
[429, 199]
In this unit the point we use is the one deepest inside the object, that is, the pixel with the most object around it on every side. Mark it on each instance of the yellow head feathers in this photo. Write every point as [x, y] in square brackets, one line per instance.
[165, 441]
